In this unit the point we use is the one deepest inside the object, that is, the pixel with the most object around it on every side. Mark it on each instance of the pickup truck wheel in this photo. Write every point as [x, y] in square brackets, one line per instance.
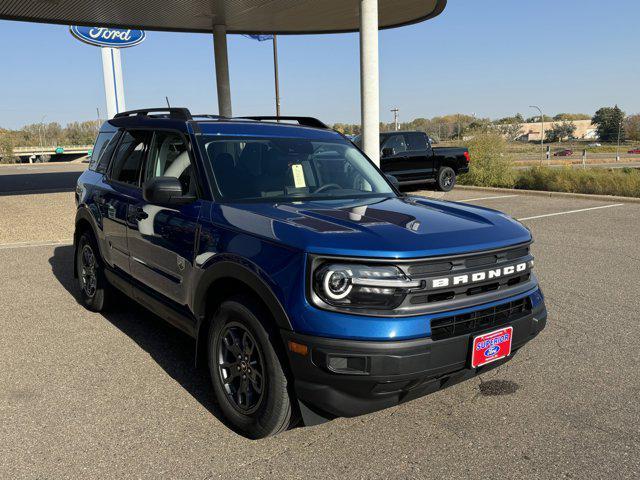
[94, 287]
[248, 379]
[446, 179]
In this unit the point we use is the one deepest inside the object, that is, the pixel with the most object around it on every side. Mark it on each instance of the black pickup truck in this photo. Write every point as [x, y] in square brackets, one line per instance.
[410, 157]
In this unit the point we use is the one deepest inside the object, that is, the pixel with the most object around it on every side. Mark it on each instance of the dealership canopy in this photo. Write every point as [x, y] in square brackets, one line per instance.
[247, 16]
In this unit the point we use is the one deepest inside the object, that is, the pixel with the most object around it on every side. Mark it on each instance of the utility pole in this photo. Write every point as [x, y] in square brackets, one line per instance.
[618, 146]
[42, 134]
[541, 132]
[275, 71]
[396, 123]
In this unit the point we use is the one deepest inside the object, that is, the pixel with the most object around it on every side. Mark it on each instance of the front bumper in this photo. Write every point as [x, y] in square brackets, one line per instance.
[378, 375]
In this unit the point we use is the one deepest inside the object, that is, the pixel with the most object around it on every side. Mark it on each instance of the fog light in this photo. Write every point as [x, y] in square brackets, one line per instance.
[348, 365]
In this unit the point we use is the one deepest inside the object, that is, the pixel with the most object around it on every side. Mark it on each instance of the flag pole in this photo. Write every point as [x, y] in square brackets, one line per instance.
[275, 69]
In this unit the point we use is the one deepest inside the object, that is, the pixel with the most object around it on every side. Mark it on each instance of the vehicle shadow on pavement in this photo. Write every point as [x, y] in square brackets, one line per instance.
[172, 349]
[31, 183]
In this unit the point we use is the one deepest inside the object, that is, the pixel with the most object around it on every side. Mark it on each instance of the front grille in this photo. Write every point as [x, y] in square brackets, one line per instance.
[466, 264]
[475, 322]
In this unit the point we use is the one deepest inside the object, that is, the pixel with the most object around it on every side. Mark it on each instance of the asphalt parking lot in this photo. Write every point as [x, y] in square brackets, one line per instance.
[85, 395]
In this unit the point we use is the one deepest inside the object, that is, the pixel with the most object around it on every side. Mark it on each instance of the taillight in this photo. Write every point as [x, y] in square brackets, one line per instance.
[466, 155]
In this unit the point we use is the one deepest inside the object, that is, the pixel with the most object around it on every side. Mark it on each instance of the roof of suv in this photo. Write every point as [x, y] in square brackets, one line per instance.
[180, 118]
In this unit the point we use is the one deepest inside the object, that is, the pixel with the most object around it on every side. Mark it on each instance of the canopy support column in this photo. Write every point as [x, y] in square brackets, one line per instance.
[113, 84]
[222, 70]
[369, 79]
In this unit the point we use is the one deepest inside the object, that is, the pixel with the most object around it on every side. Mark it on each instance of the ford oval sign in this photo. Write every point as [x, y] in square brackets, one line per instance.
[491, 351]
[108, 37]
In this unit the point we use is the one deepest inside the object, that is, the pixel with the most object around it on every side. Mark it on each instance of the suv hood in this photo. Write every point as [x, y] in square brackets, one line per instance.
[406, 227]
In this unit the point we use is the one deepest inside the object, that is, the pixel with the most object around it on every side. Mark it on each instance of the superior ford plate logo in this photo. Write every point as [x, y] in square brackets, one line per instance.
[492, 346]
[108, 37]
[470, 278]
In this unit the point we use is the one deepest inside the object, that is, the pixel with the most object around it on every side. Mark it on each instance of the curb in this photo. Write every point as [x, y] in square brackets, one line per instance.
[542, 193]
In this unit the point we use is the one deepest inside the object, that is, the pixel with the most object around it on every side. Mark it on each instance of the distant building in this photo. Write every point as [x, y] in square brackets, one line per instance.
[530, 132]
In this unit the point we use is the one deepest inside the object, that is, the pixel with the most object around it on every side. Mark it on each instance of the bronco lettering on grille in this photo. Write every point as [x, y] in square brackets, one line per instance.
[476, 277]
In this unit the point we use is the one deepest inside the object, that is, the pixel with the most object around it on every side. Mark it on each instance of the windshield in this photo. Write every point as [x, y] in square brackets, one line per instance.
[281, 169]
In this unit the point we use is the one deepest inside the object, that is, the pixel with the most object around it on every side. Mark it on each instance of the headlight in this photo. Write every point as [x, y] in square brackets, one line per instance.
[361, 286]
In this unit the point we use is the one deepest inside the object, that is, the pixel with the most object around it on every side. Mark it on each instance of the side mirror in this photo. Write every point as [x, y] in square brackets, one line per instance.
[388, 151]
[165, 191]
[394, 181]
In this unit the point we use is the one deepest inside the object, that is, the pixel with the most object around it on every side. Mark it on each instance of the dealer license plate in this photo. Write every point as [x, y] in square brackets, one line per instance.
[492, 346]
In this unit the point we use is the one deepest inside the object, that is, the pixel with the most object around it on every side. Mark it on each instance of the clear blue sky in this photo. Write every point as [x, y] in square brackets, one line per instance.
[488, 57]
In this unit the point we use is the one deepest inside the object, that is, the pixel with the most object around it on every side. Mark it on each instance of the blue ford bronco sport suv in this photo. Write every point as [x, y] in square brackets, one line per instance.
[311, 286]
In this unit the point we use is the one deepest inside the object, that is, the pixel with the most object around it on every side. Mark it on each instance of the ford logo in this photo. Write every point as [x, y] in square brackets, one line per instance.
[491, 351]
[108, 37]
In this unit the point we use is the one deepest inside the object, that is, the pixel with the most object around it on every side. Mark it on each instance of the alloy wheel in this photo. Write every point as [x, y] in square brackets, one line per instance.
[88, 274]
[241, 368]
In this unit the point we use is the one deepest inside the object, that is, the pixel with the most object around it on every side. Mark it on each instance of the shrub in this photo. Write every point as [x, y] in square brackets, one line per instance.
[6, 149]
[491, 165]
[623, 182]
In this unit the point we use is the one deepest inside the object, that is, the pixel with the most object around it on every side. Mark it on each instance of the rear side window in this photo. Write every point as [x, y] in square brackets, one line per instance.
[416, 141]
[129, 156]
[103, 149]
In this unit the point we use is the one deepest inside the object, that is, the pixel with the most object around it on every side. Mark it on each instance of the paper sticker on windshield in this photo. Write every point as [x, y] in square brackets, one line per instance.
[298, 175]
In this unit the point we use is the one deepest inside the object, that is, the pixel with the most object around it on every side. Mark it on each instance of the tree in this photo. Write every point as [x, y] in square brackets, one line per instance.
[81, 133]
[560, 131]
[572, 116]
[517, 118]
[536, 119]
[609, 123]
[510, 130]
[479, 125]
[632, 127]
[6, 147]
[347, 128]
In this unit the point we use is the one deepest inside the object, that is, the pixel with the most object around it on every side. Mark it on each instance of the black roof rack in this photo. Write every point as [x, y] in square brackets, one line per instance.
[304, 121]
[174, 113]
[185, 114]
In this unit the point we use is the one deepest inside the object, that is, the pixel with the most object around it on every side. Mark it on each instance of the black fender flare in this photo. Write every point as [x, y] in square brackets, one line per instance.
[226, 268]
[231, 269]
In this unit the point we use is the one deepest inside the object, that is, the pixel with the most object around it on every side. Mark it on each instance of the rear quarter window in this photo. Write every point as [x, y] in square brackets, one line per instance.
[102, 151]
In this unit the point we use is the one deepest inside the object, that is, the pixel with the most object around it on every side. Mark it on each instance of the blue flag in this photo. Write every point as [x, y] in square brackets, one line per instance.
[260, 38]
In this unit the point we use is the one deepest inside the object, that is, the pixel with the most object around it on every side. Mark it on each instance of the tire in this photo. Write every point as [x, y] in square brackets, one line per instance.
[248, 377]
[446, 179]
[95, 290]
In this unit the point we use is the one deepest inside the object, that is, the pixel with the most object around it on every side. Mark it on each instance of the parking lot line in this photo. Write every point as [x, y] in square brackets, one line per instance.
[486, 198]
[572, 211]
[7, 246]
